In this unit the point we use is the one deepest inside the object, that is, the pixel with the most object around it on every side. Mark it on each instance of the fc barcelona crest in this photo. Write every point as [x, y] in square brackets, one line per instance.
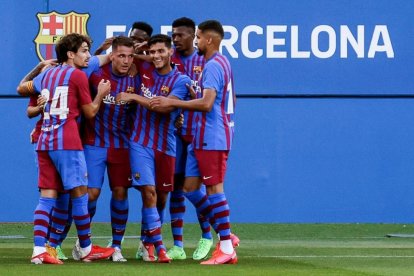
[52, 26]
[165, 90]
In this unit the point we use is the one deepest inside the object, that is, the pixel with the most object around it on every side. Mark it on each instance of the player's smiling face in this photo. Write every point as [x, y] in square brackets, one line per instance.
[183, 38]
[82, 56]
[161, 56]
[122, 58]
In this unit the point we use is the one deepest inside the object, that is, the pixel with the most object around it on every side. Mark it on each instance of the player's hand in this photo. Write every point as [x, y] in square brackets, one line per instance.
[104, 46]
[104, 87]
[123, 97]
[48, 63]
[139, 48]
[41, 101]
[191, 90]
[179, 121]
[159, 103]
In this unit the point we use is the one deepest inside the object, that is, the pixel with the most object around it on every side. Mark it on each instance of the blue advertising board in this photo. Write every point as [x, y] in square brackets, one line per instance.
[275, 47]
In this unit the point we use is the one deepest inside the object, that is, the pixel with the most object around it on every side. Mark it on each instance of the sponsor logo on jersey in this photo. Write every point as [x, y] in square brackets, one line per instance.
[54, 25]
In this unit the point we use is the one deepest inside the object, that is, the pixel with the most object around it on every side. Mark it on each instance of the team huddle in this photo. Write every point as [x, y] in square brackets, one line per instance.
[156, 114]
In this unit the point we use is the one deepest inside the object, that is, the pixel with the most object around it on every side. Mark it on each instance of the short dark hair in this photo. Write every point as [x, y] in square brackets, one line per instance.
[122, 41]
[184, 22]
[212, 25]
[160, 38]
[140, 25]
[70, 42]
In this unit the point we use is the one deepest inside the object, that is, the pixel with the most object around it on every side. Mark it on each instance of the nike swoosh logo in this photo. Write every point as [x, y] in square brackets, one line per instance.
[166, 185]
[207, 177]
[145, 77]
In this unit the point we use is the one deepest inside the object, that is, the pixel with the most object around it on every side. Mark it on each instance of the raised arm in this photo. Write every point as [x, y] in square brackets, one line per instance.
[104, 46]
[25, 87]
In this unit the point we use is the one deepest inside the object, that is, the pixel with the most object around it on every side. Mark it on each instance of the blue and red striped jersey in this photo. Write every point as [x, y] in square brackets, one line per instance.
[156, 130]
[66, 90]
[110, 128]
[216, 128]
[192, 66]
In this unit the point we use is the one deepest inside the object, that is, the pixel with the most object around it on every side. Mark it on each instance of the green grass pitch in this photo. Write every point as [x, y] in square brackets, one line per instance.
[265, 249]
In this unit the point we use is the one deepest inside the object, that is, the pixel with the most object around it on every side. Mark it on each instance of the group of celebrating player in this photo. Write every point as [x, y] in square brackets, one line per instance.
[158, 118]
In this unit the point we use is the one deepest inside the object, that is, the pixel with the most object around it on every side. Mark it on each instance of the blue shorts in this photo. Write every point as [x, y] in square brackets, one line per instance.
[116, 161]
[71, 166]
[191, 166]
[151, 167]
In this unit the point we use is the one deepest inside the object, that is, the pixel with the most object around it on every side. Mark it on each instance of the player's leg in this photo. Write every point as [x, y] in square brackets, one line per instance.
[143, 172]
[59, 218]
[177, 200]
[71, 166]
[64, 234]
[48, 183]
[212, 165]
[96, 158]
[119, 173]
[196, 194]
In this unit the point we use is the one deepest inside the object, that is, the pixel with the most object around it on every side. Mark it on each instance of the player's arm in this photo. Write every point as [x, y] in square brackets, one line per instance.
[128, 97]
[25, 87]
[103, 59]
[143, 101]
[90, 109]
[104, 46]
[143, 57]
[34, 111]
[204, 104]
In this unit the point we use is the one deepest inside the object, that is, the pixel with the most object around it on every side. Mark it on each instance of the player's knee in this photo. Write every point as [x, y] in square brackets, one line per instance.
[93, 194]
[149, 196]
[119, 193]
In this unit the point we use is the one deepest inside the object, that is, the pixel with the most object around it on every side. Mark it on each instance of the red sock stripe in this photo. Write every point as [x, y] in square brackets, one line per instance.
[177, 210]
[40, 212]
[118, 221]
[219, 204]
[201, 202]
[81, 217]
[51, 240]
[120, 212]
[222, 214]
[40, 233]
[177, 223]
[223, 226]
[41, 222]
[178, 237]
[84, 237]
[154, 232]
[224, 238]
[206, 229]
[58, 220]
[83, 227]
